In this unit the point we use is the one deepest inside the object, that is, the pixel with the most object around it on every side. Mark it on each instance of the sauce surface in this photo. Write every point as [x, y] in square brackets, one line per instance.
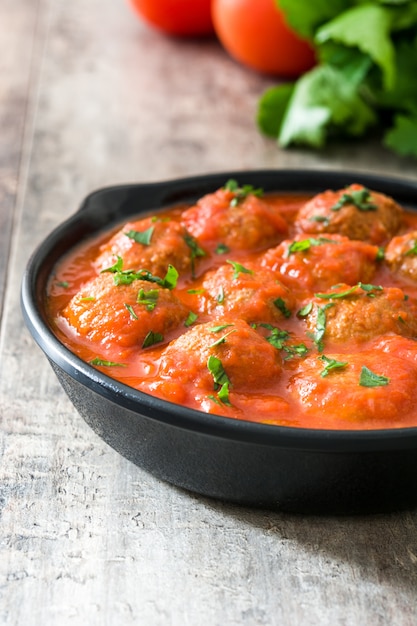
[274, 308]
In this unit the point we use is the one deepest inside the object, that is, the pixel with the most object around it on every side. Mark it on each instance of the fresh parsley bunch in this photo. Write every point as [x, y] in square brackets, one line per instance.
[366, 76]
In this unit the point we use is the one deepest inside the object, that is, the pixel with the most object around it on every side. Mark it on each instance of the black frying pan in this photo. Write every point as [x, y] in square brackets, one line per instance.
[299, 470]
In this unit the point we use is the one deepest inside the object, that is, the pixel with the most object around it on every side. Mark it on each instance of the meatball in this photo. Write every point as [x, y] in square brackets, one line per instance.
[310, 264]
[362, 390]
[360, 313]
[354, 212]
[401, 347]
[249, 292]
[248, 360]
[401, 255]
[150, 243]
[236, 220]
[123, 315]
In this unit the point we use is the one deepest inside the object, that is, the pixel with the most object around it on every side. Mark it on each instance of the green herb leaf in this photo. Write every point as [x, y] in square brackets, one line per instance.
[216, 369]
[331, 365]
[366, 27]
[299, 350]
[222, 249]
[272, 108]
[127, 277]
[104, 363]
[278, 337]
[241, 193]
[324, 103]
[305, 16]
[131, 311]
[143, 237]
[412, 251]
[334, 295]
[223, 394]
[305, 244]
[148, 298]
[402, 137]
[192, 317]
[238, 269]
[220, 296]
[152, 338]
[217, 329]
[281, 306]
[196, 251]
[359, 198]
[367, 64]
[305, 310]
[370, 379]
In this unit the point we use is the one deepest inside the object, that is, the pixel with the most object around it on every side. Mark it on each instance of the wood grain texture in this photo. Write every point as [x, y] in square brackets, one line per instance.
[97, 98]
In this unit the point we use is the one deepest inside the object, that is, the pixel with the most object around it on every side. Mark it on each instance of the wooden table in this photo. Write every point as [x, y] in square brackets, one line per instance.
[89, 96]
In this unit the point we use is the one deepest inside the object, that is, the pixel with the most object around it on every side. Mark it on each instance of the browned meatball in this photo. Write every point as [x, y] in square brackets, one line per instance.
[237, 220]
[360, 313]
[248, 360]
[317, 263]
[249, 292]
[123, 315]
[357, 391]
[401, 255]
[354, 212]
[151, 244]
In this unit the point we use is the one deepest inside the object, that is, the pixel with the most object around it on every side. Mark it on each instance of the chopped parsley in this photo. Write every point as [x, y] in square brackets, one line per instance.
[370, 379]
[151, 339]
[277, 338]
[222, 339]
[148, 298]
[239, 269]
[127, 277]
[331, 365]
[217, 329]
[305, 310]
[305, 244]
[221, 380]
[192, 317]
[320, 219]
[241, 193]
[220, 296]
[359, 198]
[144, 237]
[222, 249]
[369, 290]
[321, 321]
[299, 349]
[412, 251]
[104, 363]
[196, 291]
[131, 311]
[195, 249]
[281, 306]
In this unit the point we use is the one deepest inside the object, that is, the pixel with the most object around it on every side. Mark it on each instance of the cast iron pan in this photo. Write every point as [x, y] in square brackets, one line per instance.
[289, 469]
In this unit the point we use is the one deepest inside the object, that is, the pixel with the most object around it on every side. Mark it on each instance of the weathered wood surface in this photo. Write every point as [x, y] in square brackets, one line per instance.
[91, 97]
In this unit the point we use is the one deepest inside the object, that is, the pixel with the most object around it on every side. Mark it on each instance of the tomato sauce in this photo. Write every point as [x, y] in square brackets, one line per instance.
[274, 308]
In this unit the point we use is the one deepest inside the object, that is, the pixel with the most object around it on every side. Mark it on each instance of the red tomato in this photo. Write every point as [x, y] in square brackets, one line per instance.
[254, 33]
[177, 17]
